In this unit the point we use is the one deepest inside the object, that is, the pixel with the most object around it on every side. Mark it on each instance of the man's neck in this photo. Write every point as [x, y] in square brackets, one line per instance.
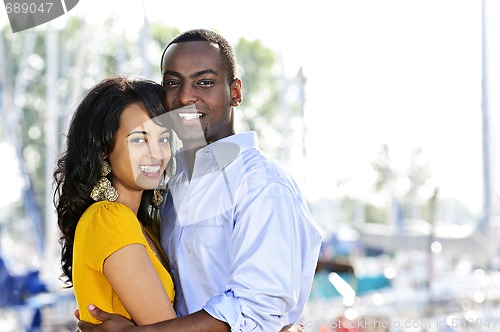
[189, 156]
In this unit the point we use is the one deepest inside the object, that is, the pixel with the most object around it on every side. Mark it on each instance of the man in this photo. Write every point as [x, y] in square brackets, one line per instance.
[241, 242]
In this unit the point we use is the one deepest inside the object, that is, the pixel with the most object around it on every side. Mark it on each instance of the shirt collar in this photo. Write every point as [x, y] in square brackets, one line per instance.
[227, 149]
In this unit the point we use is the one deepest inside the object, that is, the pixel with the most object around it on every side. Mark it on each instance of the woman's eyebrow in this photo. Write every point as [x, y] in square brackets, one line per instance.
[142, 132]
[138, 132]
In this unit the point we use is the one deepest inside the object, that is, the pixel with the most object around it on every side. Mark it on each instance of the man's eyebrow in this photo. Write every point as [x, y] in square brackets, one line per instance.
[203, 72]
[172, 73]
[197, 74]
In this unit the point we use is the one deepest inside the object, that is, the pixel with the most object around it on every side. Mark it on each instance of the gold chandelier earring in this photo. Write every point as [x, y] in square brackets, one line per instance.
[103, 190]
[157, 198]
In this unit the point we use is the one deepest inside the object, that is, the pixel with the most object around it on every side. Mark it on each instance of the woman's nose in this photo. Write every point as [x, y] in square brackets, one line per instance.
[156, 150]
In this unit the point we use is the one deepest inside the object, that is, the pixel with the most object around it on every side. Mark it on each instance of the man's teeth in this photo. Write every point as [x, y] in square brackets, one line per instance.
[190, 116]
[149, 169]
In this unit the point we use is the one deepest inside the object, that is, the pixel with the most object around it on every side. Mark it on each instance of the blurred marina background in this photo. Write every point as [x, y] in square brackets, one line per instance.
[386, 112]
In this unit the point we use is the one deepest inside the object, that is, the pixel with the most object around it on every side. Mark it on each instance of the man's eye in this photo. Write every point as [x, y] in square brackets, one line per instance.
[206, 82]
[171, 83]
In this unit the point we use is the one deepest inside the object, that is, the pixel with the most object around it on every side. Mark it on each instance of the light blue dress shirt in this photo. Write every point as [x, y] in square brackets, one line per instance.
[241, 241]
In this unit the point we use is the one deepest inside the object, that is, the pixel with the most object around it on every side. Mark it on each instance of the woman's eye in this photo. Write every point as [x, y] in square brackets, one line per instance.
[138, 140]
[165, 140]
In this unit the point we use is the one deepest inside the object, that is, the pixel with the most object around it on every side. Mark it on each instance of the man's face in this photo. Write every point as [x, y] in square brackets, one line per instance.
[197, 92]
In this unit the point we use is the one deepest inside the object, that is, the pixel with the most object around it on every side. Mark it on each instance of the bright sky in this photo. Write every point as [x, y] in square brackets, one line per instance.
[398, 72]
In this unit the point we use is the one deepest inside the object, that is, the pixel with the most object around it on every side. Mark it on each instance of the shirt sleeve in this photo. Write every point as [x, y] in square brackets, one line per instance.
[269, 242]
[110, 228]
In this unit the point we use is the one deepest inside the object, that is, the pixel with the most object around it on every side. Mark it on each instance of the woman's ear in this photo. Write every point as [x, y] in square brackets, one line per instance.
[236, 92]
[104, 156]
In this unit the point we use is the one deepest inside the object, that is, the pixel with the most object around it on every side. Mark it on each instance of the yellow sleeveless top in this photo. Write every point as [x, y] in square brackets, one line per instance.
[104, 228]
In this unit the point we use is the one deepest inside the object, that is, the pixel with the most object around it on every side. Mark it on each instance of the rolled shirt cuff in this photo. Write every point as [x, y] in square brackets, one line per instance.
[227, 308]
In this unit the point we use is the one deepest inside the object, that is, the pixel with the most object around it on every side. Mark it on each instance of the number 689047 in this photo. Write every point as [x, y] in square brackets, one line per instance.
[25, 7]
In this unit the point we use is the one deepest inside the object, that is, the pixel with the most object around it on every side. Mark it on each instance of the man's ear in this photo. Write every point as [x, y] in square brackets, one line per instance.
[236, 92]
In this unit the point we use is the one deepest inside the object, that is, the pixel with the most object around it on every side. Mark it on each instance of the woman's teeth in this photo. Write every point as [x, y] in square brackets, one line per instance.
[149, 169]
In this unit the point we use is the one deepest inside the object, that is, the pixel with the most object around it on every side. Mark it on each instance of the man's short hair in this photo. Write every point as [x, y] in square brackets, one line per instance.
[228, 56]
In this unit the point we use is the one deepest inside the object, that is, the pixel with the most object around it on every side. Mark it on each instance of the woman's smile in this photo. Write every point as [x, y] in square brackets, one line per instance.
[152, 170]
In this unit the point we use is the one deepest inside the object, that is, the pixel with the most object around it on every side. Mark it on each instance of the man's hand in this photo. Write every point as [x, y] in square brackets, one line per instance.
[110, 322]
[117, 323]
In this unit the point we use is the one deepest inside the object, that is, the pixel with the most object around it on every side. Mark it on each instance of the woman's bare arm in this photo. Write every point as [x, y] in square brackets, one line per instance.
[133, 277]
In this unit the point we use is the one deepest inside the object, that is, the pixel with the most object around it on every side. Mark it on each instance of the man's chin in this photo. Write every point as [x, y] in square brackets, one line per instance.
[192, 140]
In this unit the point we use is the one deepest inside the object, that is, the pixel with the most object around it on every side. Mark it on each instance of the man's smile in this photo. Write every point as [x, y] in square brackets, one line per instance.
[190, 116]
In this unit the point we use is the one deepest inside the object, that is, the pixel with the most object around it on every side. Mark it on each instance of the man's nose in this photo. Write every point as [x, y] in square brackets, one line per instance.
[187, 94]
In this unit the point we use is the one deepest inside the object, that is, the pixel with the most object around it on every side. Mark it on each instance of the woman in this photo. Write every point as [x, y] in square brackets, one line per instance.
[107, 201]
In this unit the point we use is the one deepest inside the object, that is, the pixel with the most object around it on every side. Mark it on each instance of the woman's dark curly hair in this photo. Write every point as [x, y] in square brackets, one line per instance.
[91, 136]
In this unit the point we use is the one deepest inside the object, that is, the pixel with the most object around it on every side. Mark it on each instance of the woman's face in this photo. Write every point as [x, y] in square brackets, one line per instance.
[141, 151]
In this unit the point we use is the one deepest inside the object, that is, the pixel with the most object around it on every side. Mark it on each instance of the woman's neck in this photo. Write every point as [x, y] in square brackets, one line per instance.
[130, 200]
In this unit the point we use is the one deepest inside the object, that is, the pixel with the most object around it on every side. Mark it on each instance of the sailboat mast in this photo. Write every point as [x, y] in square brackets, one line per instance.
[487, 133]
